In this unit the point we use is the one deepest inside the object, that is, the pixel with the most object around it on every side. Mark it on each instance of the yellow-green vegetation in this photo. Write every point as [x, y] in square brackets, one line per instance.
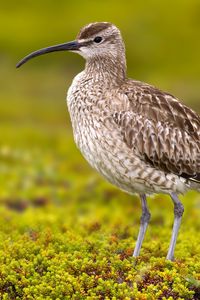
[64, 232]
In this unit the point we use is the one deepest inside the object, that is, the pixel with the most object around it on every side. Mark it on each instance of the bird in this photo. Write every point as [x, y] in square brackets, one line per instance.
[141, 139]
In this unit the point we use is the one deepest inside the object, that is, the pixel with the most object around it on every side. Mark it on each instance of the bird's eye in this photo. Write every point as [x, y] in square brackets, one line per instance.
[97, 39]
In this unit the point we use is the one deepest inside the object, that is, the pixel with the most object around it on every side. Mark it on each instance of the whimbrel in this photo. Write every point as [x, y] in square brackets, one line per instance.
[141, 139]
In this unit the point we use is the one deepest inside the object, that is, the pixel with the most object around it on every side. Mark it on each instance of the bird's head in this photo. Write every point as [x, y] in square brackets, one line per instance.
[99, 39]
[95, 39]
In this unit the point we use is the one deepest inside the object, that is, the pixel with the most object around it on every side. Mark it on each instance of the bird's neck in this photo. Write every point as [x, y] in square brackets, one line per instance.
[111, 69]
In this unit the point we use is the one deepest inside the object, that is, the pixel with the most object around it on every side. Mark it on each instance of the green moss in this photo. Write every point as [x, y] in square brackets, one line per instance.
[67, 234]
[60, 251]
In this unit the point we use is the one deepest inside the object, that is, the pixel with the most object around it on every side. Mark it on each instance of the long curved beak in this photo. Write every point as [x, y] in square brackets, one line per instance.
[73, 46]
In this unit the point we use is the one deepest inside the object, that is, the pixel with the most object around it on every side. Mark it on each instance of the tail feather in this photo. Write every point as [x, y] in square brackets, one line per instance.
[194, 181]
[196, 178]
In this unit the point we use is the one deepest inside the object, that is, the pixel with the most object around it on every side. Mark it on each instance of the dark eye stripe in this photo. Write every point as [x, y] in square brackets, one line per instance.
[87, 43]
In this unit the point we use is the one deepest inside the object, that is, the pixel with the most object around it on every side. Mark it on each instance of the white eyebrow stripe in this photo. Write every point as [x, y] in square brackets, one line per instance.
[85, 40]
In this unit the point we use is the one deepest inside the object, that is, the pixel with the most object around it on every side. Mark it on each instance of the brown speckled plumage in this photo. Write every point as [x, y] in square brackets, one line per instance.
[139, 138]
[155, 129]
[164, 132]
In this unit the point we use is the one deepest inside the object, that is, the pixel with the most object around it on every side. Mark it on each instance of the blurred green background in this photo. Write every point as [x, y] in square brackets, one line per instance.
[162, 43]
[65, 207]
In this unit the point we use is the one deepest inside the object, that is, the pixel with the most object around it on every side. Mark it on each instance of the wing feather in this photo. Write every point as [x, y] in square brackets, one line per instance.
[160, 129]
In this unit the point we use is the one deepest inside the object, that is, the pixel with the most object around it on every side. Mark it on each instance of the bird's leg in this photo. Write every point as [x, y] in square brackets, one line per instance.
[144, 221]
[178, 212]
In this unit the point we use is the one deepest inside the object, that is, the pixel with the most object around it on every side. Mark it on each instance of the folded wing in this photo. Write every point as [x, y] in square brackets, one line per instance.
[161, 130]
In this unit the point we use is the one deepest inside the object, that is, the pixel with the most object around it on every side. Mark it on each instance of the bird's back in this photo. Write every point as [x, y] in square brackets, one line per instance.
[164, 132]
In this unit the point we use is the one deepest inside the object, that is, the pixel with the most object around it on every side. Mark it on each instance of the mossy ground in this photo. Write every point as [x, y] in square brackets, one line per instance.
[67, 234]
